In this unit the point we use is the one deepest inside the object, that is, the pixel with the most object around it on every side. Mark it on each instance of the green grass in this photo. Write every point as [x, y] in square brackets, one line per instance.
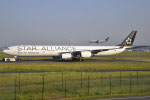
[99, 85]
[81, 66]
[76, 66]
[31, 83]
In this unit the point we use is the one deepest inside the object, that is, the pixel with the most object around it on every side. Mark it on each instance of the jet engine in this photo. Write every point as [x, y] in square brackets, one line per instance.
[66, 56]
[86, 54]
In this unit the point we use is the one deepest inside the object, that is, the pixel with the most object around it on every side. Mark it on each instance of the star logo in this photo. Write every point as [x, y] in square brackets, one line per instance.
[128, 41]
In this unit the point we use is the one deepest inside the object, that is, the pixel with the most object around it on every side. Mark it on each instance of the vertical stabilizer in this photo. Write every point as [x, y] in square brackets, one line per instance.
[129, 39]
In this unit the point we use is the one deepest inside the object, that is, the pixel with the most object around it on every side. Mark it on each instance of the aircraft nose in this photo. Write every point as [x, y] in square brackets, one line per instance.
[4, 49]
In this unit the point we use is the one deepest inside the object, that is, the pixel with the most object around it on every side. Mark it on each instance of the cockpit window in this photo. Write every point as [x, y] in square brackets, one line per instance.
[4, 48]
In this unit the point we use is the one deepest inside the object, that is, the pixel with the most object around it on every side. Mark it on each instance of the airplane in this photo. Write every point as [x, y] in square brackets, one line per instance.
[99, 41]
[73, 53]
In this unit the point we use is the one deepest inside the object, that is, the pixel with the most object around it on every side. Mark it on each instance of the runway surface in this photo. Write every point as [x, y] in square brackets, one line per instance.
[87, 60]
[128, 98]
[9, 72]
[120, 60]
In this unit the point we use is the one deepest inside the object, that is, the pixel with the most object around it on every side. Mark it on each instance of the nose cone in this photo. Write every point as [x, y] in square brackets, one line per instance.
[9, 50]
[5, 50]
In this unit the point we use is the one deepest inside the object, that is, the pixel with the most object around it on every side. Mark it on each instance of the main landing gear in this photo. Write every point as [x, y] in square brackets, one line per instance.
[78, 59]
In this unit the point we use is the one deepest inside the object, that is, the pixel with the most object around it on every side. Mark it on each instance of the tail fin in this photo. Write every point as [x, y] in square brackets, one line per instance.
[129, 39]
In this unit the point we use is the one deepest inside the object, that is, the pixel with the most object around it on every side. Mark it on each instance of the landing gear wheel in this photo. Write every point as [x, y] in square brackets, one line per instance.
[78, 59]
[82, 59]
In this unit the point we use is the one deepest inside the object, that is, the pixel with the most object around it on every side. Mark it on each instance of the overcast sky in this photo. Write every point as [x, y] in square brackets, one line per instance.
[73, 22]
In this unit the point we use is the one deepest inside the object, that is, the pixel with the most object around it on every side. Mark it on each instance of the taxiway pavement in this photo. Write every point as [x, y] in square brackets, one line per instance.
[87, 60]
[128, 98]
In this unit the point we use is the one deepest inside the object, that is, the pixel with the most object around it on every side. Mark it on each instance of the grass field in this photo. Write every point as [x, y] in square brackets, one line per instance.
[74, 85]
[99, 85]
[77, 66]
[80, 66]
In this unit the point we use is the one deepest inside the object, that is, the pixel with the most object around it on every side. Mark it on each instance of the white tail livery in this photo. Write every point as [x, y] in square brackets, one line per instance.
[70, 52]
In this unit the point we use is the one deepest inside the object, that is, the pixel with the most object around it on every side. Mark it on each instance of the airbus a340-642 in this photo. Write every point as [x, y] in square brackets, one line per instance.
[70, 52]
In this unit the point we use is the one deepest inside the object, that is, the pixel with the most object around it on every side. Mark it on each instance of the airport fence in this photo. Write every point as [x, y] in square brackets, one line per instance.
[57, 85]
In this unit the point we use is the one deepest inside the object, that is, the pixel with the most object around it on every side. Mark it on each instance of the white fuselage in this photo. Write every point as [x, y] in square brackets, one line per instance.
[35, 50]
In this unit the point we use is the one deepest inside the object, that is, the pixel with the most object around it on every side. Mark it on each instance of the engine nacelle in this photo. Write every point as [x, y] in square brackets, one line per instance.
[66, 56]
[86, 54]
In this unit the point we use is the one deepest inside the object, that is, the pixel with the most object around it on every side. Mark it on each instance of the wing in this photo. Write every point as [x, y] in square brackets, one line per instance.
[76, 53]
[101, 50]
